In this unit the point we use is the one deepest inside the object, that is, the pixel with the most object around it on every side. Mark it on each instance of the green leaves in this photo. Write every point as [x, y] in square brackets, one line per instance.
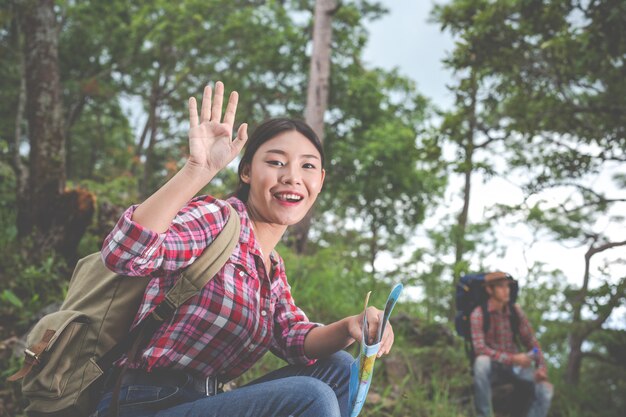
[379, 172]
[9, 296]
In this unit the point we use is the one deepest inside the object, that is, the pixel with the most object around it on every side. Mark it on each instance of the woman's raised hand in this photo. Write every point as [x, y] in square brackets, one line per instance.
[211, 146]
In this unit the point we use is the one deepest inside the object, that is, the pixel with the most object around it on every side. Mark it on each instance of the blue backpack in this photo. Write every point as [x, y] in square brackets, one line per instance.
[471, 293]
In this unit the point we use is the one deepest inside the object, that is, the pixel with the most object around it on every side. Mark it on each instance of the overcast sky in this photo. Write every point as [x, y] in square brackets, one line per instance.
[404, 39]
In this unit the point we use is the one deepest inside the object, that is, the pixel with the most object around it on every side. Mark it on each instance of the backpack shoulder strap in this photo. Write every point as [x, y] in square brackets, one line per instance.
[196, 276]
[204, 268]
[486, 317]
[515, 322]
[191, 281]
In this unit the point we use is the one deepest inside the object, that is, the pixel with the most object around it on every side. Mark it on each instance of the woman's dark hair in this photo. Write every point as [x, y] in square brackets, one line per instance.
[267, 130]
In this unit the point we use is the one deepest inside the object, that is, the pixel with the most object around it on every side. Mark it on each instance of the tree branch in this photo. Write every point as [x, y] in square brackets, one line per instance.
[601, 358]
[614, 301]
[490, 139]
[606, 246]
[600, 197]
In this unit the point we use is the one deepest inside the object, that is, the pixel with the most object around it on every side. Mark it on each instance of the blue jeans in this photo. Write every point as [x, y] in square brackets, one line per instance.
[488, 372]
[304, 391]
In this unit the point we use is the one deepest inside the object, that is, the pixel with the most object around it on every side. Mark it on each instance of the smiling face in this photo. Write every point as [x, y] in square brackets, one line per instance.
[285, 177]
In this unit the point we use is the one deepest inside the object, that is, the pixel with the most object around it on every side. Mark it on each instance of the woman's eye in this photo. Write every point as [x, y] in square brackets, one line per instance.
[308, 165]
[276, 163]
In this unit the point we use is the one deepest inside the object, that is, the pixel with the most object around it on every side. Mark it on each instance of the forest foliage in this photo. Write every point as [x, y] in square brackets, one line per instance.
[539, 101]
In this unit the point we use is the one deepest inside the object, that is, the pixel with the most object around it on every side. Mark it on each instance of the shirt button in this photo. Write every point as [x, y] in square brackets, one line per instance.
[241, 273]
[251, 348]
[263, 313]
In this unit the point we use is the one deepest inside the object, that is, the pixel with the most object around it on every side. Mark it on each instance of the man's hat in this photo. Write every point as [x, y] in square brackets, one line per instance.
[494, 277]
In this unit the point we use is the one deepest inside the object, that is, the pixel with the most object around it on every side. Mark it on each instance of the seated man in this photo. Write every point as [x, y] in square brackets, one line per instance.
[496, 351]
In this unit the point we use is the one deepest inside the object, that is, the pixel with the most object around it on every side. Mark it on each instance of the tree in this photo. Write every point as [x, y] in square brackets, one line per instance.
[254, 49]
[551, 82]
[578, 220]
[150, 56]
[561, 104]
[475, 130]
[115, 52]
[55, 219]
[381, 178]
[317, 92]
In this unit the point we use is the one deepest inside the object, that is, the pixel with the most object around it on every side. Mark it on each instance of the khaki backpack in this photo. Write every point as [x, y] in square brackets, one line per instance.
[69, 350]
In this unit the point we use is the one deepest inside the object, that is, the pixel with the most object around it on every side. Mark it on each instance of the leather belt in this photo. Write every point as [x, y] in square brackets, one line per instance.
[208, 386]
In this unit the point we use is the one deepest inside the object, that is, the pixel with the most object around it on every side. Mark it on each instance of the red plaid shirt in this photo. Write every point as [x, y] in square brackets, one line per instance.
[240, 314]
[498, 342]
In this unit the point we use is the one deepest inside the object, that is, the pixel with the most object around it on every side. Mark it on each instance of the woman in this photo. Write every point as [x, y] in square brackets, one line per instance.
[247, 308]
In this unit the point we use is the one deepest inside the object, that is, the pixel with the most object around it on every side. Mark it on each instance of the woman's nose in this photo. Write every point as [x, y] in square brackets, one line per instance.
[291, 175]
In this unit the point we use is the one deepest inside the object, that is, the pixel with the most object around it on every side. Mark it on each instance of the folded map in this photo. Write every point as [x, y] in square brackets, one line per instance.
[363, 366]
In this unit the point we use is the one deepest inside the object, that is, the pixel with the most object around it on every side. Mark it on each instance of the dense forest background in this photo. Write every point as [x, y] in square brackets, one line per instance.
[93, 119]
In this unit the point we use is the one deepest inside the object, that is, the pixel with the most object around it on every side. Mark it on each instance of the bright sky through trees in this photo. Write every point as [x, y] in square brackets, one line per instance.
[405, 39]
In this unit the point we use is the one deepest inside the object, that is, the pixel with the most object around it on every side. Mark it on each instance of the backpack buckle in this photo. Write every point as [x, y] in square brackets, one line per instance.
[29, 353]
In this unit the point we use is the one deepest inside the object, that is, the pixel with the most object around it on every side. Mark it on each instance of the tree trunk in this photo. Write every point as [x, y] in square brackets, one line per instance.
[317, 95]
[373, 246]
[580, 329]
[97, 145]
[72, 116]
[149, 127]
[461, 225]
[53, 219]
[21, 172]
[468, 168]
[44, 114]
[145, 188]
[574, 359]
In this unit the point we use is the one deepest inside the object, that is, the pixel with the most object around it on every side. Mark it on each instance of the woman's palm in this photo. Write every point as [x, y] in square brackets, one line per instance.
[210, 139]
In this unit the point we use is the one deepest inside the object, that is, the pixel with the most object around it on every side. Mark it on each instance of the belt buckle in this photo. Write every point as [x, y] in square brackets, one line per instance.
[211, 385]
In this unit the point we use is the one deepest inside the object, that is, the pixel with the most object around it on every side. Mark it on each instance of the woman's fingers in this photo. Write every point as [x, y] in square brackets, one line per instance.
[387, 341]
[193, 113]
[242, 137]
[373, 318]
[205, 112]
[231, 108]
[211, 109]
[218, 100]
[374, 329]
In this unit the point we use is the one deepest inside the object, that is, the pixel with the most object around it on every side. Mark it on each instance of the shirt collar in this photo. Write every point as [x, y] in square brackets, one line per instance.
[491, 307]
[246, 237]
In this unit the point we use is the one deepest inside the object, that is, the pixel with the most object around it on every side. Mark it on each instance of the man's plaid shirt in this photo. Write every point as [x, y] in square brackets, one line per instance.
[240, 314]
[498, 343]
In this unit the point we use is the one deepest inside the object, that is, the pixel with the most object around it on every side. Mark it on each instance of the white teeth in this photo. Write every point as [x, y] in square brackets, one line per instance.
[289, 197]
